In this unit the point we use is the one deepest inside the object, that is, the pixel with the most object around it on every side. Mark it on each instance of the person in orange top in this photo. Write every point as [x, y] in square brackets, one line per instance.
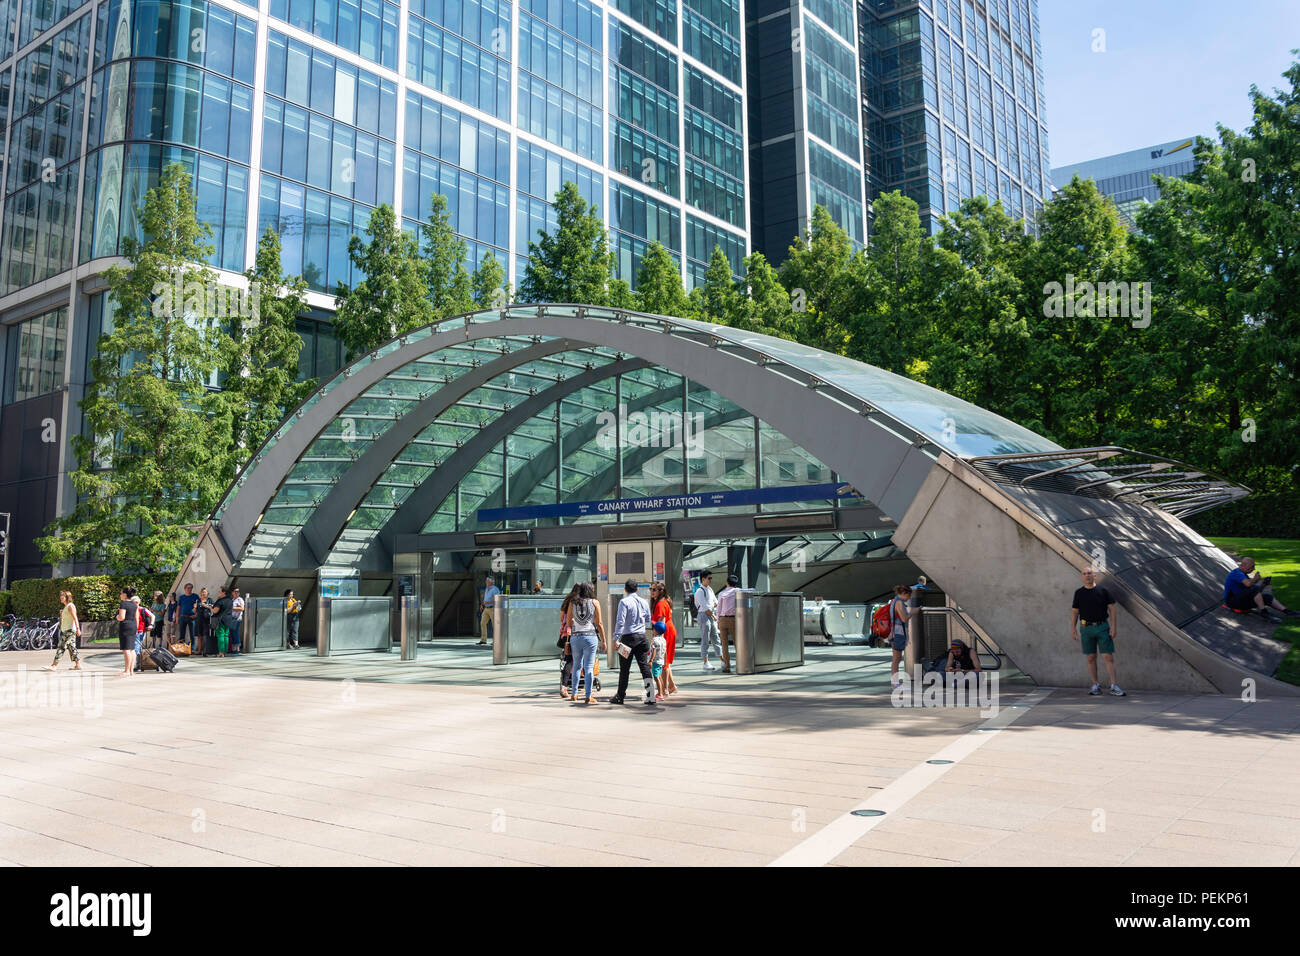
[662, 610]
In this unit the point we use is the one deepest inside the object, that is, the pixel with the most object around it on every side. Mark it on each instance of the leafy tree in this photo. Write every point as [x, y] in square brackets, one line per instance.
[572, 264]
[764, 303]
[156, 441]
[393, 297]
[490, 286]
[260, 360]
[894, 302]
[824, 278]
[717, 298]
[1072, 375]
[1224, 247]
[659, 284]
[451, 289]
[977, 334]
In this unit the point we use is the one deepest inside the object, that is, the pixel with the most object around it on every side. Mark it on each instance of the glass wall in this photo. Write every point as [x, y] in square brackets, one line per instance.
[35, 352]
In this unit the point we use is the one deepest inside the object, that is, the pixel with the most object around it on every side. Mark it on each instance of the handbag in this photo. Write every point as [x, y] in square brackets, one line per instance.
[623, 649]
[179, 649]
[223, 639]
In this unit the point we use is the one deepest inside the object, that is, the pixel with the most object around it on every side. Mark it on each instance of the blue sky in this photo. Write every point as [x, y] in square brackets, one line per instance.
[1172, 68]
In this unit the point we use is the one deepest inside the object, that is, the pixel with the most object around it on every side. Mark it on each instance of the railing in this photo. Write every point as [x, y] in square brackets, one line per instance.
[977, 642]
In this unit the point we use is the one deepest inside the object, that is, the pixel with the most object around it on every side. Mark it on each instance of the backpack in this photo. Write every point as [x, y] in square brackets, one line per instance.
[881, 623]
[141, 627]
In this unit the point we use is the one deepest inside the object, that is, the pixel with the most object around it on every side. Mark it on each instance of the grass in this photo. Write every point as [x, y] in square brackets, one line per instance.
[1279, 557]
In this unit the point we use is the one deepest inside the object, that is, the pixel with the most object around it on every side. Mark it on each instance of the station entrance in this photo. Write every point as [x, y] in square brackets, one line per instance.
[556, 443]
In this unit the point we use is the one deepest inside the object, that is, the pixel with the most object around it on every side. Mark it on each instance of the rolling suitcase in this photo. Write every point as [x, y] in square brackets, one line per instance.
[163, 659]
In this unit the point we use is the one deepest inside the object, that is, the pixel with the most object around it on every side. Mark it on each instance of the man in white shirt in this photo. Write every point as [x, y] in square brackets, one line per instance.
[490, 592]
[630, 630]
[706, 612]
[727, 618]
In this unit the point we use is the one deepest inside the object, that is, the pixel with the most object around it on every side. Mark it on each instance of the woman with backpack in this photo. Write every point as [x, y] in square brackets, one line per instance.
[899, 618]
[587, 632]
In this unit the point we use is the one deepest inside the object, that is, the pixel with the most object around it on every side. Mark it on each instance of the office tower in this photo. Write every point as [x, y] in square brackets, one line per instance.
[303, 116]
[1126, 177]
[954, 103]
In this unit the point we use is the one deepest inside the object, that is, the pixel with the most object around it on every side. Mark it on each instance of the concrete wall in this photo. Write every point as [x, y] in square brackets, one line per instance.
[1015, 575]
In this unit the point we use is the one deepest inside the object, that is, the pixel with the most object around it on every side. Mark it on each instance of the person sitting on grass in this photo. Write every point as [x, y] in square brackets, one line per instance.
[1245, 590]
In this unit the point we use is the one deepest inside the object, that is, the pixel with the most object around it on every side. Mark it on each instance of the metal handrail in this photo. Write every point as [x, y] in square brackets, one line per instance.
[976, 640]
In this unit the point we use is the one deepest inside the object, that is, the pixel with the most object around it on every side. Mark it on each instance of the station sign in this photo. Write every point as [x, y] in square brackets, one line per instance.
[700, 499]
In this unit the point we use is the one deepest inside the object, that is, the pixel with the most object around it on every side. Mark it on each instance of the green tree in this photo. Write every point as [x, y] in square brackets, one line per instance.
[156, 441]
[894, 303]
[824, 279]
[717, 298]
[977, 334]
[1077, 394]
[572, 264]
[1224, 249]
[765, 304]
[451, 289]
[393, 297]
[490, 286]
[260, 361]
[659, 288]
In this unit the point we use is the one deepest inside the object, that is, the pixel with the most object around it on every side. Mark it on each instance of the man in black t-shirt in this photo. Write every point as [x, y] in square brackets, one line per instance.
[1092, 622]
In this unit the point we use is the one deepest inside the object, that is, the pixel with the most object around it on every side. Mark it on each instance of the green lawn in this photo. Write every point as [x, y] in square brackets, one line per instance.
[1279, 557]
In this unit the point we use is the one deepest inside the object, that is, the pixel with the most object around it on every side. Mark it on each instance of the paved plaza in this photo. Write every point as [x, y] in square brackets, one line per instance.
[286, 758]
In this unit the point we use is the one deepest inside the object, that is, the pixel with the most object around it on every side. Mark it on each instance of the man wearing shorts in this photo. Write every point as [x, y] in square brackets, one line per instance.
[1092, 624]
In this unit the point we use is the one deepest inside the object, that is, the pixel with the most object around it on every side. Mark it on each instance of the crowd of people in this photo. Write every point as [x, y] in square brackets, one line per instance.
[190, 625]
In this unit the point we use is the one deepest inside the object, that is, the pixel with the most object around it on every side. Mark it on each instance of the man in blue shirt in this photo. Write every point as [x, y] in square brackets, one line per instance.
[1244, 590]
[629, 630]
[490, 591]
[185, 608]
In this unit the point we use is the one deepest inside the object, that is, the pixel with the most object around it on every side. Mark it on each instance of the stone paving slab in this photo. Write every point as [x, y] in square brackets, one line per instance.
[281, 759]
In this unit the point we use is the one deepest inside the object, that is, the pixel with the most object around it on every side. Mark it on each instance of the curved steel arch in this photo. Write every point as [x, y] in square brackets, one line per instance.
[411, 515]
[325, 525]
[884, 458]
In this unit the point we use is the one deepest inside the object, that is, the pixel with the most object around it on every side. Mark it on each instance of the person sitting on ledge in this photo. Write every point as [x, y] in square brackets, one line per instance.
[1245, 590]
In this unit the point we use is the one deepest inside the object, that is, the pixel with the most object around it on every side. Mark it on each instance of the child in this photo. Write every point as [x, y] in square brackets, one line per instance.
[658, 654]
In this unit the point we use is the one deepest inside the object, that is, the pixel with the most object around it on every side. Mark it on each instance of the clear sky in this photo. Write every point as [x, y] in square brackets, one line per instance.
[1171, 69]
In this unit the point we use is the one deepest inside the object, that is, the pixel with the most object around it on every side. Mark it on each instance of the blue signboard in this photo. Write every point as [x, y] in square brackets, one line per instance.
[701, 499]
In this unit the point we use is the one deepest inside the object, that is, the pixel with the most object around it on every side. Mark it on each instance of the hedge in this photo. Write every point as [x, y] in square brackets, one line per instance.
[1275, 515]
[6, 602]
[96, 596]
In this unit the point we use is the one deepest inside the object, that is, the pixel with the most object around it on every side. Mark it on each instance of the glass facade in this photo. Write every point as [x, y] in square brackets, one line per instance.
[954, 104]
[577, 424]
[1126, 177]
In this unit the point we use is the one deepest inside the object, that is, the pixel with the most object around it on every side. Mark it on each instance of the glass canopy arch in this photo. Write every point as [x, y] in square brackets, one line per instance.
[468, 424]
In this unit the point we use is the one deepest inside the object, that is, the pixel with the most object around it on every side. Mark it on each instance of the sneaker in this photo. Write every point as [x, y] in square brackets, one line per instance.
[1117, 691]
[595, 683]
[709, 667]
[616, 700]
[896, 684]
[1096, 690]
[1291, 612]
